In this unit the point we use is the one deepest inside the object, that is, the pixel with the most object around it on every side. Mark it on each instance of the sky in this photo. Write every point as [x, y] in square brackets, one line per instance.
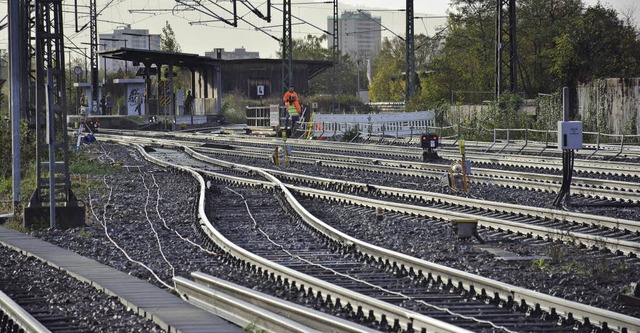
[196, 35]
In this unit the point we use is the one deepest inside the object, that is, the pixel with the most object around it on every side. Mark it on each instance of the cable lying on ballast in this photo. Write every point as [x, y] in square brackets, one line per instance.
[171, 229]
[103, 222]
[255, 223]
[155, 233]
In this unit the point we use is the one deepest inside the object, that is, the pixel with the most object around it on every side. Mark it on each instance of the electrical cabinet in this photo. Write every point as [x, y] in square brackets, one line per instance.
[569, 135]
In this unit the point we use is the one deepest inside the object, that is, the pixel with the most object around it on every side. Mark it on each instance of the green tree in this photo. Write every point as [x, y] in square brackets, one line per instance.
[168, 41]
[465, 57]
[597, 45]
[387, 82]
[311, 48]
[539, 22]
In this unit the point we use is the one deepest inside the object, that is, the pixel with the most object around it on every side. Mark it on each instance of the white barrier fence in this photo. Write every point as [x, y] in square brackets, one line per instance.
[387, 124]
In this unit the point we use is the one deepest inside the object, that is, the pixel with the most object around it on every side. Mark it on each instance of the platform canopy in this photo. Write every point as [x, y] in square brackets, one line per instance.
[205, 80]
[160, 57]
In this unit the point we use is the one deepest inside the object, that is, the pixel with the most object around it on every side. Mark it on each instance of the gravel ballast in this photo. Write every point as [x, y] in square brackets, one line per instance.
[145, 200]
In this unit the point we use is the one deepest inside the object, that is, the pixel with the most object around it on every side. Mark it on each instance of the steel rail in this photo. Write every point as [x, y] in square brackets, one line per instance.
[604, 150]
[471, 282]
[542, 162]
[540, 212]
[553, 214]
[546, 213]
[612, 244]
[243, 313]
[546, 162]
[20, 316]
[208, 287]
[405, 318]
[588, 187]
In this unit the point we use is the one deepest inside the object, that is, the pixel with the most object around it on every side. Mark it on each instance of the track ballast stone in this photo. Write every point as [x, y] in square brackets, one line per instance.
[127, 221]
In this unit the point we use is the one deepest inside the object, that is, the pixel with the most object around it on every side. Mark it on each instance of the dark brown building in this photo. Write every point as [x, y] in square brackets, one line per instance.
[245, 75]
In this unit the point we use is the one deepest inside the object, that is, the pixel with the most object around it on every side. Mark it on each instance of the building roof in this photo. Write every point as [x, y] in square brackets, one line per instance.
[159, 57]
[314, 67]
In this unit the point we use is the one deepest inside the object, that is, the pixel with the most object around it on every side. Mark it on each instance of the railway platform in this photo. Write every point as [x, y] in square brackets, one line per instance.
[167, 310]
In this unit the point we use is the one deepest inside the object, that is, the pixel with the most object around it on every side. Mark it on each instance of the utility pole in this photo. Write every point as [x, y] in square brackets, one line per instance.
[410, 85]
[53, 183]
[16, 62]
[287, 47]
[336, 59]
[506, 67]
[28, 74]
[93, 44]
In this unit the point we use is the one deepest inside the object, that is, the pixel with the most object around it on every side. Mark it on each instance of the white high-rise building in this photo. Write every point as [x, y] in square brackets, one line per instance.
[360, 34]
[125, 38]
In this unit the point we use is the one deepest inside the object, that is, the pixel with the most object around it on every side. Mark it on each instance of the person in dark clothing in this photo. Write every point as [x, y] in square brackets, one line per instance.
[109, 104]
[138, 101]
[103, 108]
[188, 103]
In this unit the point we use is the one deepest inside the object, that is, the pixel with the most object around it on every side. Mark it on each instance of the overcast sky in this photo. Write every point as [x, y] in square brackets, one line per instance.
[196, 36]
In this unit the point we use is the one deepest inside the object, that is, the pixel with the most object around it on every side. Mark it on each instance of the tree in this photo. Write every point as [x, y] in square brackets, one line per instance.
[310, 48]
[168, 41]
[597, 45]
[387, 81]
[539, 23]
[465, 58]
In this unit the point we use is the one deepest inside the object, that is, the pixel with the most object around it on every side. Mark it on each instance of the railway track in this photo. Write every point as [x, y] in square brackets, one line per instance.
[412, 154]
[601, 191]
[17, 319]
[31, 313]
[614, 234]
[585, 187]
[617, 235]
[538, 148]
[414, 267]
[269, 227]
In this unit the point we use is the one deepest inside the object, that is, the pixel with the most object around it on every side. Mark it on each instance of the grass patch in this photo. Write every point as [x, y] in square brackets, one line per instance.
[82, 166]
[85, 234]
[81, 163]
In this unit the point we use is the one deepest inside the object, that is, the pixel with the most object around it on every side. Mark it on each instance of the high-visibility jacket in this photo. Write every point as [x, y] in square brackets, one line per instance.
[291, 101]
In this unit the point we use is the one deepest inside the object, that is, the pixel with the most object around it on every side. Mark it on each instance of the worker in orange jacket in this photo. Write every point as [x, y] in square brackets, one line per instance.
[291, 98]
[292, 103]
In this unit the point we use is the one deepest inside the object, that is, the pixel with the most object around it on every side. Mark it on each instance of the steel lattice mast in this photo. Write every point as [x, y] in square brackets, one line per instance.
[335, 88]
[93, 45]
[53, 184]
[287, 46]
[410, 84]
[506, 67]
